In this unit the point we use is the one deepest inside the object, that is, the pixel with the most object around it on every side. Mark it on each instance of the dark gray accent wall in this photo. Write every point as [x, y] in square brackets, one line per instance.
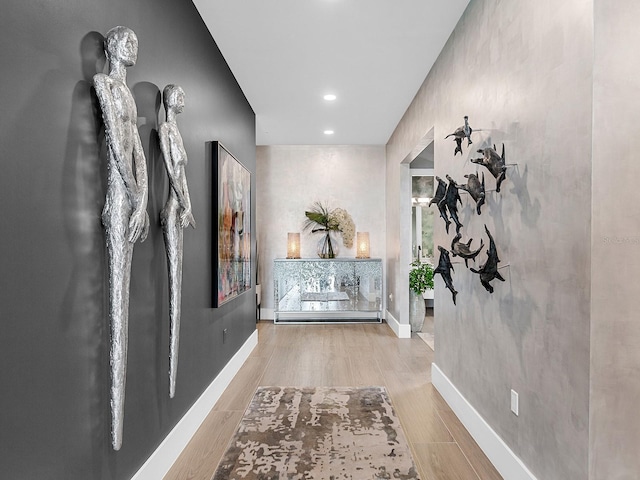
[54, 340]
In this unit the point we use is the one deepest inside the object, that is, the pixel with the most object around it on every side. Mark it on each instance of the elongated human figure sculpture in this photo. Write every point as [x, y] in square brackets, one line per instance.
[175, 216]
[124, 216]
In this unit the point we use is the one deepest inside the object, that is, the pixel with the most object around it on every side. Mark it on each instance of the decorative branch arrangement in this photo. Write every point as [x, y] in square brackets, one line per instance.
[321, 219]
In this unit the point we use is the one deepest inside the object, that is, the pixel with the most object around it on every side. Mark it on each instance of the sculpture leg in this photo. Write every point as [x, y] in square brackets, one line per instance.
[120, 252]
[173, 237]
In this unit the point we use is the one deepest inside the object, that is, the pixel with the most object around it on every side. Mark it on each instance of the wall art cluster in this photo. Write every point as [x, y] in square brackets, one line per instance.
[125, 218]
[447, 197]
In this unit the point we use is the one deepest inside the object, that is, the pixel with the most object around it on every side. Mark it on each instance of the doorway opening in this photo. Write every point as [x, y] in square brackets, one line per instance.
[417, 191]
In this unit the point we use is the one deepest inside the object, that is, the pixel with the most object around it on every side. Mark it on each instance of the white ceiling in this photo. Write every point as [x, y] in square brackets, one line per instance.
[287, 54]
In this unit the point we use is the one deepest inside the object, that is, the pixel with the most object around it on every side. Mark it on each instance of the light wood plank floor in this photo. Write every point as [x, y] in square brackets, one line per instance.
[344, 355]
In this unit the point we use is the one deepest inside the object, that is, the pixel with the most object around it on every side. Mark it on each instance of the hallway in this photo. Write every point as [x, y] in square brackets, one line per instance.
[344, 355]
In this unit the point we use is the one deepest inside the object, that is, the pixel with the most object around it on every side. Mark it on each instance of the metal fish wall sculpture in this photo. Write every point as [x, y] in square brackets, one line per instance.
[495, 163]
[461, 133]
[463, 250]
[489, 271]
[441, 190]
[451, 199]
[475, 188]
[445, 268]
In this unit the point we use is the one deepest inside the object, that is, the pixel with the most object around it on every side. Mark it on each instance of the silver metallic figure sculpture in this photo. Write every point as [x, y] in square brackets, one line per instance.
[459, 134]
[124, 215]
[175, 215]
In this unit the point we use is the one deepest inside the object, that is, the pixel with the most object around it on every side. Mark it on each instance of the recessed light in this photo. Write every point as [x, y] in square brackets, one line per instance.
[328, 132]
[330, 97]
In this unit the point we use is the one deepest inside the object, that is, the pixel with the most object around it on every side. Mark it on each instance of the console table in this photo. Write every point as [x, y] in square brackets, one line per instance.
[314, 290]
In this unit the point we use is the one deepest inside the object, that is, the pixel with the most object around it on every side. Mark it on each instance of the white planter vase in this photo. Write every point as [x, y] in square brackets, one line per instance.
[416, 311]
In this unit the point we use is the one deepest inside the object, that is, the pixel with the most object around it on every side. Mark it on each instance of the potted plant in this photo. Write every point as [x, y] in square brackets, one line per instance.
[420, 281]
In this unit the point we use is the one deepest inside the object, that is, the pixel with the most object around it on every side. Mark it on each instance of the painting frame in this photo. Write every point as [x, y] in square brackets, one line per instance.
[231, 226]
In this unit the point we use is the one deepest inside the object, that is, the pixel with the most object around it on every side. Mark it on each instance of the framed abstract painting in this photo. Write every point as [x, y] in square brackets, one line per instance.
[231, 226]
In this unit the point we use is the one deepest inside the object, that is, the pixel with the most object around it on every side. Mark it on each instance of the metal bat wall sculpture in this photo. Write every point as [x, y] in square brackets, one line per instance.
[450, 200]
[495, 163]
[461, 133]
[489, 270]
[475, 188]
[464, 249]
[437, 199]
[445, 268]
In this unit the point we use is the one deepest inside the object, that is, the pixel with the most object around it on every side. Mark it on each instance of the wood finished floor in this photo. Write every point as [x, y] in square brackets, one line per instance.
[344, 355]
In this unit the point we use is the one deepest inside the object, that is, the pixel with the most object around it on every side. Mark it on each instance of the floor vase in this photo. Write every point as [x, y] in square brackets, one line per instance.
[417, 311]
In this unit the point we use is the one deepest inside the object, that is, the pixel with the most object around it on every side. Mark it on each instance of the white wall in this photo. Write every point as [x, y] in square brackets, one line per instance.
[290, 178]
[522, 71]
[615, 245]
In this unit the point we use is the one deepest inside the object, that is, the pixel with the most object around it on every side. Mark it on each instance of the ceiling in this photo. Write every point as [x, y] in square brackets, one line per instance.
[287, 54]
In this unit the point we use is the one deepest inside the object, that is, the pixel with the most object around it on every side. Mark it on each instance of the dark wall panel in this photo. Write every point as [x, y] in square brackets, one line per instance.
[54, 343]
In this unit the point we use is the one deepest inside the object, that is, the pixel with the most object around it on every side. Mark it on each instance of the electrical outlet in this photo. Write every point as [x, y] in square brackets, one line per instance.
[514, 402]
[224, 336]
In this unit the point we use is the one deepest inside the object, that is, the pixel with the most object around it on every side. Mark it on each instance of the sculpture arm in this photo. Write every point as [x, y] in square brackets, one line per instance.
[187, 215]
[176, 173]
[168, 155]
[139, 221]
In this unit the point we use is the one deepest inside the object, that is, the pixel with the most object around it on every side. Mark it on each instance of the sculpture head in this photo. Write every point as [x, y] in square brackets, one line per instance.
[121, 45]
[173, 97]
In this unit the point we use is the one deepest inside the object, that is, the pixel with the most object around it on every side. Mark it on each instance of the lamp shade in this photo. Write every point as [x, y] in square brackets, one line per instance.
[293, 245]
[362, 242]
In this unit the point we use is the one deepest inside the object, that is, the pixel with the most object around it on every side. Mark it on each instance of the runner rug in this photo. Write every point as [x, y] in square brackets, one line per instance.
[318, 433]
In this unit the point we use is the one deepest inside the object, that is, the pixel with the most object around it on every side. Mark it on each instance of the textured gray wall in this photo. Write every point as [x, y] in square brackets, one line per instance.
[615, 323]
[522, 72]
[292, 177]
[54, 364]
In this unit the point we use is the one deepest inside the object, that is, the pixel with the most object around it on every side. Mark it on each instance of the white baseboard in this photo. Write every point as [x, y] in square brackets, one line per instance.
[266, 314]
[160, 461]
[506, 462]
[401, 330]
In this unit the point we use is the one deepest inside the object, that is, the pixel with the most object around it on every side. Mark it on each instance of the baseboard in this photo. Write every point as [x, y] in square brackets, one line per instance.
[401, 330]
[266, 313]
[506, 462]
[160, 461]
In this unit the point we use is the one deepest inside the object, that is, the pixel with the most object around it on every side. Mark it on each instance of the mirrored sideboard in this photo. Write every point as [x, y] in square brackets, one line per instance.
[314, 290]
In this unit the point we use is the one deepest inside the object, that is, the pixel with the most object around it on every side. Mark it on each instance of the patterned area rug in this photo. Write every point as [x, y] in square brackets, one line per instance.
[318, 433]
